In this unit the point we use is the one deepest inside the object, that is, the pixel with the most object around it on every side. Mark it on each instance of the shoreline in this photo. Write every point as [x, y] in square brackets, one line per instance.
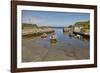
[36, 31]
[36, 34]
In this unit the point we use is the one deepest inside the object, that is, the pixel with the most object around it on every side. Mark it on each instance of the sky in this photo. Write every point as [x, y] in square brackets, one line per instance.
[50, 18]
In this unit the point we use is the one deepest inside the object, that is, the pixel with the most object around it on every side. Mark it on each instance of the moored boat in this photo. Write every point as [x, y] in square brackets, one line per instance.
[44, 35]
[53, 38]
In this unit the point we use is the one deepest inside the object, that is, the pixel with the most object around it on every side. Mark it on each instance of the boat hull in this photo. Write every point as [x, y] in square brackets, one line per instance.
[53, 40]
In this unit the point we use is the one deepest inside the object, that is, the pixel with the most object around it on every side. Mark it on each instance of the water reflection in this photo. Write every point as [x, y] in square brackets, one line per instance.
[61, 37]
[67, 46]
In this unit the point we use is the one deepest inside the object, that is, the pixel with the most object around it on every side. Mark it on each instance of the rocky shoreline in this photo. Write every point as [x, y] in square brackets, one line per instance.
[31, 30]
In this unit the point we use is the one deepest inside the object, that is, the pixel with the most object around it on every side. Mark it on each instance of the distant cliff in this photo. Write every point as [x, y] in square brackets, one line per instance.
[83, 27]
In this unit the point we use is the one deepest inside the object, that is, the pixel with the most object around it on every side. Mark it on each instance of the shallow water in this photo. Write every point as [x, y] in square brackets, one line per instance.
[66, 48]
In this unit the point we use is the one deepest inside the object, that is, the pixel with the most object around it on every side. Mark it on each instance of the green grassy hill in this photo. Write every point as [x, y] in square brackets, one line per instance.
[85, 24]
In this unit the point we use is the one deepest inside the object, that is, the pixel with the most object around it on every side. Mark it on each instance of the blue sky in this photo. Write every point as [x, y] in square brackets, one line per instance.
[48, 18]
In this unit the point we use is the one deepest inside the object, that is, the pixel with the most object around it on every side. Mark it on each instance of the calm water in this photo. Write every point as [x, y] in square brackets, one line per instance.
[65, 48]
[63, 39]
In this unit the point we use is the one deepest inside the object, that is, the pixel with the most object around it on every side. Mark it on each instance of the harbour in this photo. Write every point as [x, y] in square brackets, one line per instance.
[65, 48]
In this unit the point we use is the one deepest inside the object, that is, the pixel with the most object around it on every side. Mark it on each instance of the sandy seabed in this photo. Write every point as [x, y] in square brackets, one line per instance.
[33, 51]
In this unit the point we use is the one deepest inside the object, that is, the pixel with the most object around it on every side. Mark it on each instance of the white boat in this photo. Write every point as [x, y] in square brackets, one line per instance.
[44, 35]
[53, 38]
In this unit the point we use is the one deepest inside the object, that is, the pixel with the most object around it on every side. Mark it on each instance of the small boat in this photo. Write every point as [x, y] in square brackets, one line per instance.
[44, 35]
[77, 36]
[53, 38]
